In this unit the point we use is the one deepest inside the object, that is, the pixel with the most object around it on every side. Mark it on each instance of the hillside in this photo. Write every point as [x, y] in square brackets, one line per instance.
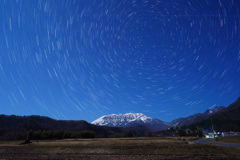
[10, 125]
[227, 119]
[195, 118]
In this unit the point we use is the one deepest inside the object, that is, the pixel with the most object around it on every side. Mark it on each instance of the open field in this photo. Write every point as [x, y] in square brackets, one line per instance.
[232, 140]
[122, 148]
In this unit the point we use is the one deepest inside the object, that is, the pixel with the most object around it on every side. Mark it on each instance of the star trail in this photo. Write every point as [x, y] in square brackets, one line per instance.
[82, 59]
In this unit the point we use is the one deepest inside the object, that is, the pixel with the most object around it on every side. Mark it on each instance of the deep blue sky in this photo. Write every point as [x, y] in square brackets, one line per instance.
[82, 59]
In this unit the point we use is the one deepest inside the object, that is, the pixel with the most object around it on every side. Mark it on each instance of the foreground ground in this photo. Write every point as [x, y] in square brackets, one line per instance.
[222, 141]
[228, 140]
[119, 149]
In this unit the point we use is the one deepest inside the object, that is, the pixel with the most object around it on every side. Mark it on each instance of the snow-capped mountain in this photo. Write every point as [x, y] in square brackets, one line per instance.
[131, 120]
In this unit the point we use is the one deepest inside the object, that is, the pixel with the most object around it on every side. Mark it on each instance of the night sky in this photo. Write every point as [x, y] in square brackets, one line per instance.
[82, 59]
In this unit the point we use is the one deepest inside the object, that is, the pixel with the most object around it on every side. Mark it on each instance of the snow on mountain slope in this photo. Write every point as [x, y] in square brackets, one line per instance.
[130, 120]
[121, 120]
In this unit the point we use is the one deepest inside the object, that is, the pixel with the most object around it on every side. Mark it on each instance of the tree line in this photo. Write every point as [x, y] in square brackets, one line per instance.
[55, 134]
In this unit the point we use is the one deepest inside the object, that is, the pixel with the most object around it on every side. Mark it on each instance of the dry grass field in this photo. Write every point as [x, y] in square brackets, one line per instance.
[116, 148]
[232, 140]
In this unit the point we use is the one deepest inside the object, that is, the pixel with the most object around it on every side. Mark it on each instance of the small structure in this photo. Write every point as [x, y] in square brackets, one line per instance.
[209, 135]
[214, 134]
[228, 134]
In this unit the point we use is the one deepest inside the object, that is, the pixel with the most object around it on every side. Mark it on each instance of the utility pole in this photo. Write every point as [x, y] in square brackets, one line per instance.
[213, 129]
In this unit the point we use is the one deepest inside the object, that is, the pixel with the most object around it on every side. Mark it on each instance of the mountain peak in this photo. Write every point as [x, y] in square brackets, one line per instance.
[214, 110]
[120, 120]
[130, 120]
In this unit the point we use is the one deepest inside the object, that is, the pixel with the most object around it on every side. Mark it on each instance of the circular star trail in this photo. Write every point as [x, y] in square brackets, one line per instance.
[81, 59]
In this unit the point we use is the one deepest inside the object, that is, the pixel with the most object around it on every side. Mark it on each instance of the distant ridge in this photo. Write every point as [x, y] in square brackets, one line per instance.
[195, 118]
[227, 119]
[10, 125]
